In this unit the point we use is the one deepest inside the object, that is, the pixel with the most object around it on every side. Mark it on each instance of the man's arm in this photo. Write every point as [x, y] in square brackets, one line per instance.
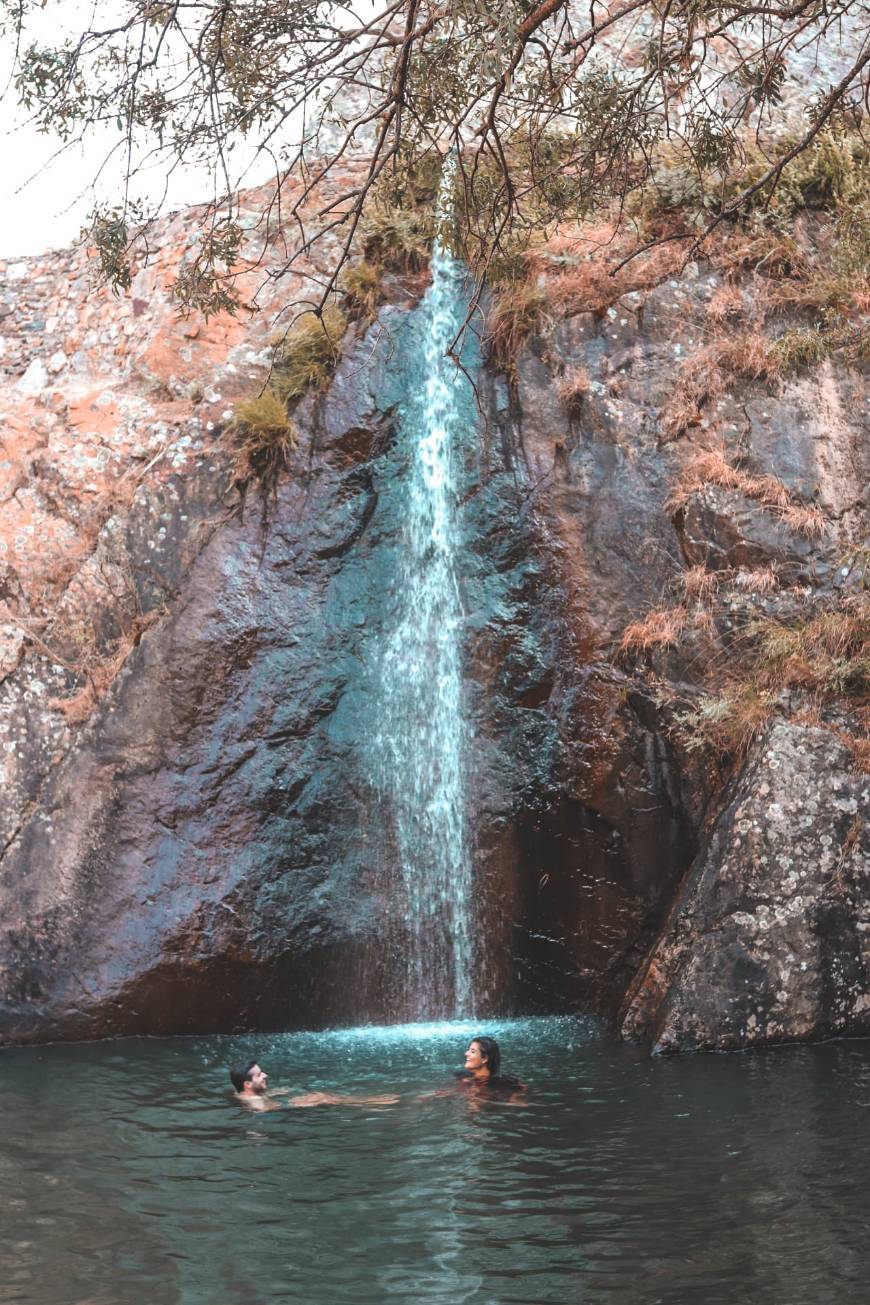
[331, 1099]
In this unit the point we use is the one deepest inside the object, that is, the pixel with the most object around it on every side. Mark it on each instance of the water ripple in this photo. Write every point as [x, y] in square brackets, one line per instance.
[131, 1175]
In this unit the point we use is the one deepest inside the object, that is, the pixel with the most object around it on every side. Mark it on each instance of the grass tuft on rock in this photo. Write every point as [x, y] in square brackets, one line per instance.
[660, 628]
[362, 289]
[397, 238]
[811, 666]
[308, 353]
[699, 585]
[573, 390]
[711, 467]
[705, 376]
[801, 348]
[518, 312]
[261, 437]
[728, 721]
[829, 652]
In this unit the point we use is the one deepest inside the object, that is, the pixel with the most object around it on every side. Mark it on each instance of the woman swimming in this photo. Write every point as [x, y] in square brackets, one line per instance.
[483, 1066]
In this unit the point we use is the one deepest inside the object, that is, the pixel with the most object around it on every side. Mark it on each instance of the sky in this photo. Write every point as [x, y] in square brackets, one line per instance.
[45, 197]
[45, 200]
[43, 204]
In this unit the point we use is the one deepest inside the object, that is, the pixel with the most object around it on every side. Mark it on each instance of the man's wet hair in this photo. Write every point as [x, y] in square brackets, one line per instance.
[240, 1072]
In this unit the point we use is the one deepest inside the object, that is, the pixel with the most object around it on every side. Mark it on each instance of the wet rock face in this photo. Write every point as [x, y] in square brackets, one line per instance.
[211, 851]
[604, 477]
[581, 825]
[205, 847]
[201, 839]
[769, 940]
[628, 803]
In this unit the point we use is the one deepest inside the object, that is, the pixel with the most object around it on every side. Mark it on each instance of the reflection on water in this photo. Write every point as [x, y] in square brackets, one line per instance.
[129, 1175]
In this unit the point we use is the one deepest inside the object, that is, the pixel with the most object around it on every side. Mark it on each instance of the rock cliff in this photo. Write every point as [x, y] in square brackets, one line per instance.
[191, 838]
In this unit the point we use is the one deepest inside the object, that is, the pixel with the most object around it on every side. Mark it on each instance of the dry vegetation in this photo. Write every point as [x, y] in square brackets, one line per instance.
[582, 272]
[307, 354]
[813, 664]
[699, 584]
[711, 467]
[760, 580]
[517, 312]
[825, 657]
[829, 652]
[362, 288]
[76, 638]
[660, 628]
[705, 376]
[261, 437]
[821, 268]
[573, 389]
[571, 270]
[100, 670]
[729, 720]
[398, 238]
[803, 252]
[727, 305]
[794, 293]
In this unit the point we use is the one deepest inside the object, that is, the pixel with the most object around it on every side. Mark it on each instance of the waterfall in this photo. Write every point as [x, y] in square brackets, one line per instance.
[422, 732]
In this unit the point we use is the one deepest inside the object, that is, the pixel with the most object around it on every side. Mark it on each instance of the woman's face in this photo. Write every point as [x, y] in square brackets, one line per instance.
[474, 1060]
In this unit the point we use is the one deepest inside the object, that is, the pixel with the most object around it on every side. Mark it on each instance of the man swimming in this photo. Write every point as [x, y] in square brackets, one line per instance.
[250, 1083]
[251, 1086]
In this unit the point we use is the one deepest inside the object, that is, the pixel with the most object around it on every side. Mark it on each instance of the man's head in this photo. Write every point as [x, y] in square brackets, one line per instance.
[247, 1078]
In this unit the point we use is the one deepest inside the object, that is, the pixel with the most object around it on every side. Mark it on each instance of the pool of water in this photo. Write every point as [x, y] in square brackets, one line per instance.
[130, 1176]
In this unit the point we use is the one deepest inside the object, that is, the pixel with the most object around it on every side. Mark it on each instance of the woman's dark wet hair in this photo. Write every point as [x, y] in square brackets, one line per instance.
[491, 1054]
[240, 1072]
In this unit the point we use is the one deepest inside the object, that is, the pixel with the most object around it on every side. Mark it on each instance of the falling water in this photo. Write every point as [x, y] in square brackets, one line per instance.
[422, 733]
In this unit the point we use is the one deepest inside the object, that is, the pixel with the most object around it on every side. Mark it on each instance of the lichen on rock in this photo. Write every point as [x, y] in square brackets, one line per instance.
[769, 939]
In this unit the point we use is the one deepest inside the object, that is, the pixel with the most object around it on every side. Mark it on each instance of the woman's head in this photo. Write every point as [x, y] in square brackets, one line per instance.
[483, 1055]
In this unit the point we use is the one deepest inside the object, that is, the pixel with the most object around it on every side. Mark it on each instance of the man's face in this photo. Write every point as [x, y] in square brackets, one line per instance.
[257, 1080]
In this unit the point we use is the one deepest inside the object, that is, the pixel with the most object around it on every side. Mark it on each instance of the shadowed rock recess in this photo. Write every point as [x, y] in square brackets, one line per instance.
[191, 835]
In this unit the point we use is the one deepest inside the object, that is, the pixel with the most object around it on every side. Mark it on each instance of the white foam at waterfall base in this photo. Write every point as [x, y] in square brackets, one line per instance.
[421, 742]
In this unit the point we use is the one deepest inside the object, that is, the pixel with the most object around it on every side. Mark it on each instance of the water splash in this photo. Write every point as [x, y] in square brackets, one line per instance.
[422, 732]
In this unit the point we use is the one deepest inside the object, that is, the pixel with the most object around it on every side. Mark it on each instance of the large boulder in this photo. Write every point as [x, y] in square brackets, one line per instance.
[769, 938]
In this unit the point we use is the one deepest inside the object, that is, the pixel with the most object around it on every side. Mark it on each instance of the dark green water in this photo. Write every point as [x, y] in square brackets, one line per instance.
[129, 1176]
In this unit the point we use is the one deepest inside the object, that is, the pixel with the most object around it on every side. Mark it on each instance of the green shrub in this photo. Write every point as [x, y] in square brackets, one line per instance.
[414, 182]
[834, 170]
[852, 239]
